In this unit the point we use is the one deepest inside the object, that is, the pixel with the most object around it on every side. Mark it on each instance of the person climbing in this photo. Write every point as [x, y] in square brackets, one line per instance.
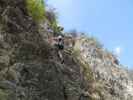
[60, 46]
[58, 42]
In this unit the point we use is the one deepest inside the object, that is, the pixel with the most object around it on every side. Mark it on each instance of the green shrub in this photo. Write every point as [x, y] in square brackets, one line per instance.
[88, 75]
[51, 16]
[36, 9]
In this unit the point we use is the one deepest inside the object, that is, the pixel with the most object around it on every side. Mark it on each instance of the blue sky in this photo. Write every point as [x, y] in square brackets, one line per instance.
[111, 21]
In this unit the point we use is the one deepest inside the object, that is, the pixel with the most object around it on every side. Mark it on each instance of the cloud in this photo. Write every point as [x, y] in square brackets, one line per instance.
[118, 51]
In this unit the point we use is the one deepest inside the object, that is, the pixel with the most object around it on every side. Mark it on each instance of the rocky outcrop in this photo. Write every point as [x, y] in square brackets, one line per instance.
[14, 17]
[30, 68]
[117, 84]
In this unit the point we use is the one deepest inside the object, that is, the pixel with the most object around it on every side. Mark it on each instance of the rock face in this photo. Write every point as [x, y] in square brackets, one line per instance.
[30, 68]
[117, 84]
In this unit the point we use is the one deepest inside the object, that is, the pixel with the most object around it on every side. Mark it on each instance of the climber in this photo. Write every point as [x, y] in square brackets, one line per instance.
[58, 42]
[60, 46]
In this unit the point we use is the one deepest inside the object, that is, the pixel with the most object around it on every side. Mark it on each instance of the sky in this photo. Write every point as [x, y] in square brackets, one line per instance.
[111, 21]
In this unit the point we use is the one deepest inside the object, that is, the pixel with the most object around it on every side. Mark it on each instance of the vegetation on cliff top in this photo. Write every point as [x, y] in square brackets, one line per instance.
[36, 9]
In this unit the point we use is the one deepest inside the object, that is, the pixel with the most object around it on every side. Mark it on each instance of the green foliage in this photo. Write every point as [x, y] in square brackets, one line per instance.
[51, 17]
[36, 9]
[88, 75]
[54, 26]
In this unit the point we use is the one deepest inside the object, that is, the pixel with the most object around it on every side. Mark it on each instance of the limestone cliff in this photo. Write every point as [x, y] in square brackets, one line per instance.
[30, 68]
[110, 75]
